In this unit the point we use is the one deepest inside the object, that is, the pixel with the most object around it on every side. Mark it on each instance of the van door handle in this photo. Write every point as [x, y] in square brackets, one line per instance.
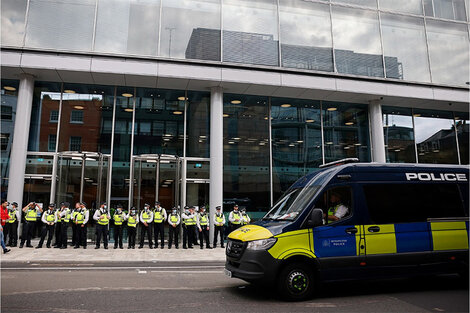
[351, 230]
[373, 229]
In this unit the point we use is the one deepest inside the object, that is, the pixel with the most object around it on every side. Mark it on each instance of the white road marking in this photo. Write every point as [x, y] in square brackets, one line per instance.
[108, 268]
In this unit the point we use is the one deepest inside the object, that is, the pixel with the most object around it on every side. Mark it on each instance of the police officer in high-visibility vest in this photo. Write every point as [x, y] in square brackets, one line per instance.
[132, 221]
[58, 227]
[49, 218]
[338, 210]
[11, 226]
[118, 218]
[146, 218]
[31, 214]
[102, 218]
[202, 222]
[65, 216]
[74, 212]
[81, 222]
[235, 218]
[219, 225]
[159, 217]
[245, 217]
[174, 230]
[191, 221]
[184, 219]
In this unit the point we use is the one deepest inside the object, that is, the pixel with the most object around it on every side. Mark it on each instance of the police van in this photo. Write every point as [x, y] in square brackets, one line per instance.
[357, 220]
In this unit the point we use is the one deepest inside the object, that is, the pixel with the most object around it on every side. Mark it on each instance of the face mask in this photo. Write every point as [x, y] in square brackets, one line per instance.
[105, 207]
[174, 211]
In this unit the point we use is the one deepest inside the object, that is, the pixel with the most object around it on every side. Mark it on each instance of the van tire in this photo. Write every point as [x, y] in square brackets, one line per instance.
[296, 282]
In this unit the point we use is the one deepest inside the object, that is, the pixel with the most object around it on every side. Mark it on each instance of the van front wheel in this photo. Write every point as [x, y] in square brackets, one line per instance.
[296, 282]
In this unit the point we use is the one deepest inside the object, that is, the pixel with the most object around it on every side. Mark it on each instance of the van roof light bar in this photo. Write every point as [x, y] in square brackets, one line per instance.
[340, 162]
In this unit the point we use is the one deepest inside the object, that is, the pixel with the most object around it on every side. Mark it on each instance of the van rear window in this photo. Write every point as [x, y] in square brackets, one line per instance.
[402, 203]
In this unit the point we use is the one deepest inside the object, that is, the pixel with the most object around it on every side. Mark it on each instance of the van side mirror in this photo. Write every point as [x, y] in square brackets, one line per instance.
[316, 218]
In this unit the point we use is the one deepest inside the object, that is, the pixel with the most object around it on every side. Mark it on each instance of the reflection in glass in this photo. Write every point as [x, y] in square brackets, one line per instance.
[253, 42]
[191, 29]
[447, 9]
[127, 26]
[435, 137]
[306, 35]
[13, 15]
[59, 24]
[398, 135]
[246, 152]
[448, 50]
[405, 6]
[357, 42]
[365, 3]
[296, 141]
[198, 122]
[408, 60]
[462, 126]
[346, 131]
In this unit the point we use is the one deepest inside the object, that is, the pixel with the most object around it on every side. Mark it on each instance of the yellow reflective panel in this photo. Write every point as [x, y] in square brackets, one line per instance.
[250, 232]
[292, 243]
[449, 236]
[382, 241]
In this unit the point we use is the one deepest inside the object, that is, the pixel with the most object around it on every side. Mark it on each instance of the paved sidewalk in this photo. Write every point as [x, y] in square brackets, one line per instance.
[90, 254]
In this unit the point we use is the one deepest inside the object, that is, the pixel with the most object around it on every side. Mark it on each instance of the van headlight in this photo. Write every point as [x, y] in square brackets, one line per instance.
[263, 244]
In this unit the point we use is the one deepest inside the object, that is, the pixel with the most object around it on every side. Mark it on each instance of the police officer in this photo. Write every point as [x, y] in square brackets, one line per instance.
[132, 221]
[49, 218]
[102, 217]
[65, 216]
[202, 223]
[337, 210]
[219, 222]
[174, 230]
[191, 221]
[58, 227]
[146, 218]
[184, 219]
[235, 218]
[159, 217]
[74, 212]
[119, 217]
[81, 222]
[11, 227]
[245, 218]
[31, 213]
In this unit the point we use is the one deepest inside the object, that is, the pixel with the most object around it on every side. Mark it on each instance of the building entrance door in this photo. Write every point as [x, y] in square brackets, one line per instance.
[197, 192]
[155, 177]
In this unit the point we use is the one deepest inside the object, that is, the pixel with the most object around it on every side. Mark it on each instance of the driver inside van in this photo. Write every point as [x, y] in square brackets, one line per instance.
[337, 209]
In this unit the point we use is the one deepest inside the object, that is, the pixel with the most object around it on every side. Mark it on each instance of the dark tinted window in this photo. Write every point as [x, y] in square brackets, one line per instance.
[399, 203]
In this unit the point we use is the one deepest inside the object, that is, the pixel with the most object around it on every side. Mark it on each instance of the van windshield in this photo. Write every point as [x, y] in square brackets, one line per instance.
[291, 204]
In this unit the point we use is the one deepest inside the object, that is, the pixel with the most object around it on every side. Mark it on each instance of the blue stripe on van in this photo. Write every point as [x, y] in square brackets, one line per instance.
[413, 237]
[331, 241]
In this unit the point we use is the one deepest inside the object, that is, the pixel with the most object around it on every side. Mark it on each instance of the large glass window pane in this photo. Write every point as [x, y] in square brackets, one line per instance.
[127, 26]
[364, 3]
[406, 6]
[448, 49]
[253, 42]
[356, 37]
[306, 35]
[409, 59]
[346, 131]
[246, 152]
[61, 24]
[9, 98]
[435, 137]
[191, 29]
[462, 123]
[198, 123]
[85, 109]
[448, 9]
[13, 15]
[296, 141]
[398, 135]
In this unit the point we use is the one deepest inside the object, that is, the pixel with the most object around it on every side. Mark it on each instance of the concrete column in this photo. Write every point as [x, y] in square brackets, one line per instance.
[216, 169]
[20, 139]
[376, 131]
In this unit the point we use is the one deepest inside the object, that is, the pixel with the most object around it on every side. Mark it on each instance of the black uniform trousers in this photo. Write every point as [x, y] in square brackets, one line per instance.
[101, 230]
[158, 229]
[47, 229]
[131, 232]
[219, 230]
[185, 236]
[63, 234]
[234, 227]
[204, 234]
[146, 230]
[81, 235]
[27, 233]
[191, 235]
[173, 232]
[11, 230]
[195, 235]
[74, 235]
[118, 236]
[58, 234]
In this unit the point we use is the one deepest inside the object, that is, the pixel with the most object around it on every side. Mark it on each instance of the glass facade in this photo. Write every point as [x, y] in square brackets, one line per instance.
[398, 135]
[356, 37]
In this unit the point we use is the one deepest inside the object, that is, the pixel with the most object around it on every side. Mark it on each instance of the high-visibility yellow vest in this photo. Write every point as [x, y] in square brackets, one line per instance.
[191, 221]
[57, 214]
[332, 210]
[146, 217]
[174, 218]
[50, 217]
[79, 218]
[236, 215]
[203, 220]
[158, 216]
[219, 219]
[12, 216]
[103, 221]
[31, 215]
[66, 217]
[132, 221]
[118, 219]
